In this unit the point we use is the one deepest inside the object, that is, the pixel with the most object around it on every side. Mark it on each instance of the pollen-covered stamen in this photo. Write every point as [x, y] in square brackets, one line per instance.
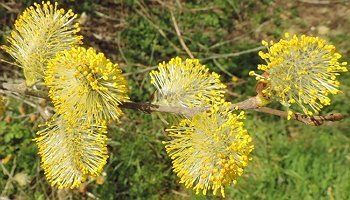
[186, 83]
[302, 71]
[85, 84]
[210, 150]
[39, 33]
[71, 153]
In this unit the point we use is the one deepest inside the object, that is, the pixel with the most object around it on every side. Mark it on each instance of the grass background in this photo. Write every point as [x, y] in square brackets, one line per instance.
[290, 160]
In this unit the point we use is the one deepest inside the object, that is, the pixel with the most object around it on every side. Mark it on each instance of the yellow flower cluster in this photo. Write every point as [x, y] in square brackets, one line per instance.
[85, 84]
[186, 83]
[40, 33]
[210, 150]
[86, 89]
[302, 71]
[71, 153]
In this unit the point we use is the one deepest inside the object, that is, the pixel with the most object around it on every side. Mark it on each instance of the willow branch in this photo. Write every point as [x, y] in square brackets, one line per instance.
[251, 103]
[309, 120]
[21, 88]
[149, 108]
[216, 56]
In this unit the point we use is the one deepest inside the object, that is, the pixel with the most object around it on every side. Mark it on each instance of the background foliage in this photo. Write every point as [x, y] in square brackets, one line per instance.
[290, 160]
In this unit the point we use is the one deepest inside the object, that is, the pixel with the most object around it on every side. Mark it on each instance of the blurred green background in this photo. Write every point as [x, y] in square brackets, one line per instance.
[290, 160]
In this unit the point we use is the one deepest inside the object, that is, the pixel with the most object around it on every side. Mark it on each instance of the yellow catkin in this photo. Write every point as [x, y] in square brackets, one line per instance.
[39, 33]
[186, 83]
[69, 154]
[210, 150]
[85, 84]
[301, 71]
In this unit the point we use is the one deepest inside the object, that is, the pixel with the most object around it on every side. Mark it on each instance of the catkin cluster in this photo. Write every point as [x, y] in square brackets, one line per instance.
[39, 33]
[85, 87]
[209, 149]
[301, 73]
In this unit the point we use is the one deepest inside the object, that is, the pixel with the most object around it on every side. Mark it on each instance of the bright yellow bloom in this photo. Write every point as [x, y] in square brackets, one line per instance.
[302, 71]
[70, 154]
[186, 83]
[210, 150]
[39, 33]
[85, 84]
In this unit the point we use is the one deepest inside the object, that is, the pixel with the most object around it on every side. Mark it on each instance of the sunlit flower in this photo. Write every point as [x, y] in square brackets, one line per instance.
[210, 150]
[70, 154]
[39, 33]
[302, 71]
[85, 84]
[186, 83]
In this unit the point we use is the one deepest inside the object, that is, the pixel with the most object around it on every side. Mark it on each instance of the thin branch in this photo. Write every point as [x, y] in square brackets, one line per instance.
[251, 103]
[141, 71]
[44, 112]
[234, 54]
[121, 50]
[320, 2]
[228, 92]
[222, 68]
[20, 99]
[178, 33]
[248, 104]
[10, 63]
[9, 174]
[149, 108]
[8, 8]
[23, 89]
[19, 89]
[161, 32]
[309, 120]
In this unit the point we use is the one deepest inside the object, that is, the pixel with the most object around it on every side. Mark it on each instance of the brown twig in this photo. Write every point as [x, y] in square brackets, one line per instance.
[141, 71]
[44, 112]
[320, 2]
[178, 33]
[309, 120]
[154, 25]
[228, 92]
[234, 54]
[9, 174]
[23, 89]
[148, 108]
[252, 103]
[222, 68]
[10, 63]
[8, 8]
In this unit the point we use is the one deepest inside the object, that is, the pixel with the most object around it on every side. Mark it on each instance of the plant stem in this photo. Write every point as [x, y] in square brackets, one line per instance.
[251, 103]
